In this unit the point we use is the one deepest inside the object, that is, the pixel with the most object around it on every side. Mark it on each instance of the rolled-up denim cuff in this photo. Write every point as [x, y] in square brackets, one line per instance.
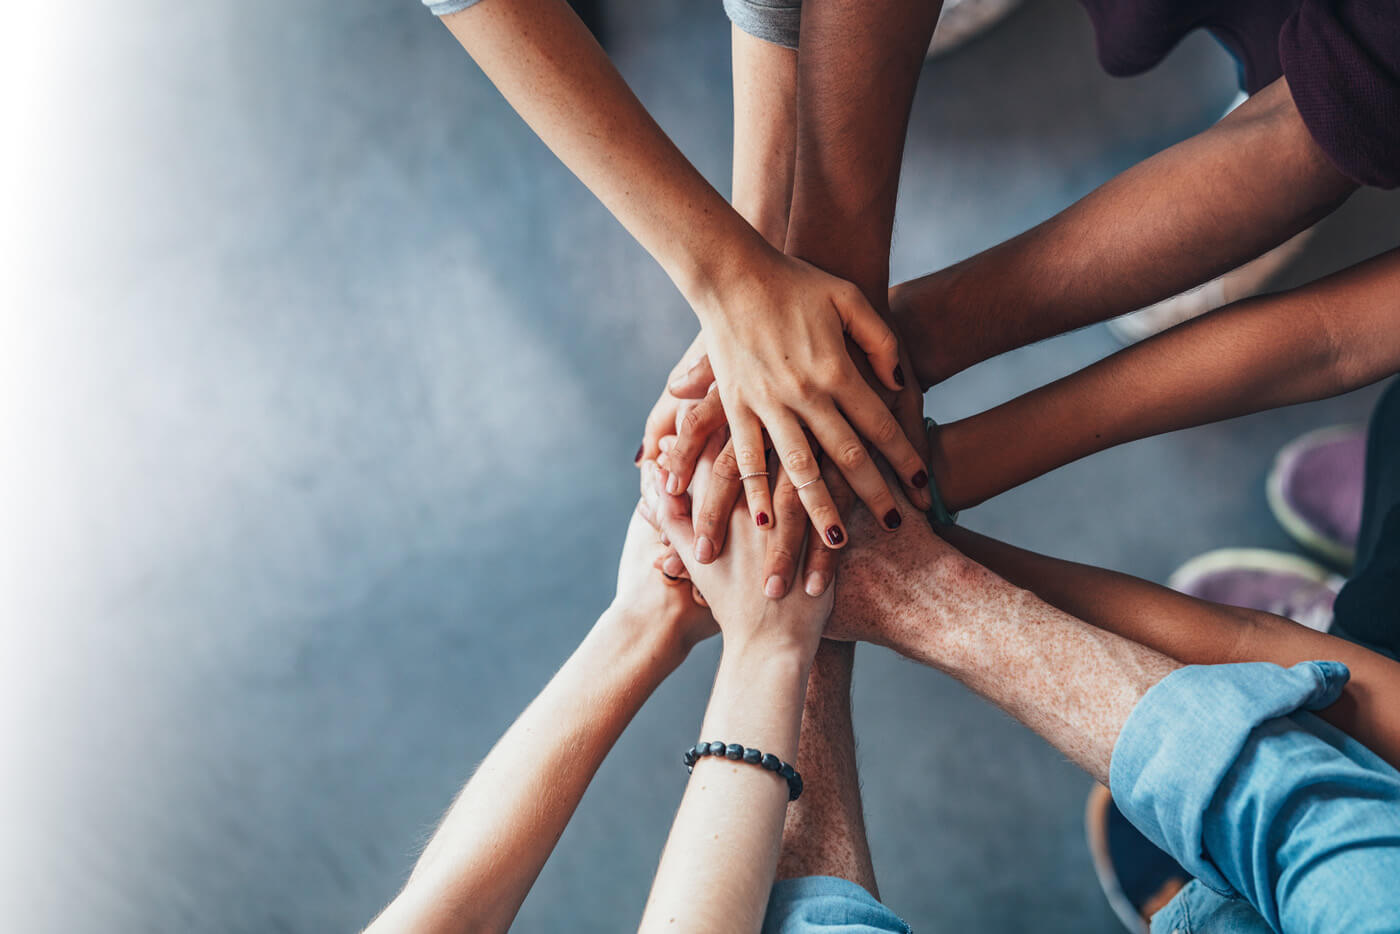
[443, 7]
[812, 904]
[776, 21]
[1182, 738]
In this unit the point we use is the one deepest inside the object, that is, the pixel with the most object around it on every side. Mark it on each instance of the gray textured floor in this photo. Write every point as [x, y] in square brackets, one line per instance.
[330, 378]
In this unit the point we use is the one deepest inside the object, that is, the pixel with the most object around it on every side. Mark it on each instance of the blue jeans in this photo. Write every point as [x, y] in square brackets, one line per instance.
[1287, 823]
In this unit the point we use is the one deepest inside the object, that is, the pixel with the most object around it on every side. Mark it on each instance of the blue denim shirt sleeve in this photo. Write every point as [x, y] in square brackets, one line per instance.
[443, 7]
[1219, 766]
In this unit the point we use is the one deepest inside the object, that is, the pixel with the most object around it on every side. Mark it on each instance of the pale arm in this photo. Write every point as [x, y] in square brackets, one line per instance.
[485, 856]
[722, 853]
[775, 327]
[1198, 632]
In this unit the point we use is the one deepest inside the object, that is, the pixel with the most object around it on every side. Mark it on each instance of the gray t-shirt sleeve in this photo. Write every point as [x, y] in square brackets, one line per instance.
[443, 7]
[775, 21]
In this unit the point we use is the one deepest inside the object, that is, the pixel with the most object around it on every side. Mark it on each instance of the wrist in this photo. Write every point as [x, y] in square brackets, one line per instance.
[649, 643]
[711, 273]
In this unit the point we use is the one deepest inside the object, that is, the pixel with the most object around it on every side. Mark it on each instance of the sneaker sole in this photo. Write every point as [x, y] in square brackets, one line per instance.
[1095, 819]
[1299, 528]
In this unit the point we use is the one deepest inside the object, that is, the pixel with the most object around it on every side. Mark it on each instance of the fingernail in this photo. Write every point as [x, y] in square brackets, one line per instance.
[704, 549]
[761, 519]
[893, 519]
[673, 485]
[899, 375]
[638, 458]
[673, 566]
[835, 536]
[920, 480]
[773, 588]
[816, 583]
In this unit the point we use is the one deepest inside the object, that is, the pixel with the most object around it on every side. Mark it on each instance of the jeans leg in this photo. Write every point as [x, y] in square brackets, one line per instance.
[1368, 609]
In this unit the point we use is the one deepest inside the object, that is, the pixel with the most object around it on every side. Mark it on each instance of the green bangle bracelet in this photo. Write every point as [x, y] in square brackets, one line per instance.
[937, 513]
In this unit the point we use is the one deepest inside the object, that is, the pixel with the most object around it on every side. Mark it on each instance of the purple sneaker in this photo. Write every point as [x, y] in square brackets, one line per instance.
[1258, 579]
[1315, 491]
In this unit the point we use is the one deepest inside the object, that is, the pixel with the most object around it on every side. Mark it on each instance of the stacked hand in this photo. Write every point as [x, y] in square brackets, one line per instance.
[744, 613]
[775, 359]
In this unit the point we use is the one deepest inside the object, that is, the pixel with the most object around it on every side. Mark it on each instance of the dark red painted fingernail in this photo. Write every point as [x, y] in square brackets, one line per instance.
[920, 480]
[899, 374]
[761, 518]
[835, 535]
[893, 519]
[638, 458]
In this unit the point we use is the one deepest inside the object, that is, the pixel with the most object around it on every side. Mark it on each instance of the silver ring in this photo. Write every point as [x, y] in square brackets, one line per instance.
[756, 473]
[816, 479]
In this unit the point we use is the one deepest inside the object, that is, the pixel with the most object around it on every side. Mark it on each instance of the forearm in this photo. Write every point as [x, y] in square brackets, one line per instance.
[1325, 338]
[482, 861]
[1072, 683]
[765, 133]
[849, 151]
[1197, 632]
[725, 840]
[556, 76]
[1176, 220]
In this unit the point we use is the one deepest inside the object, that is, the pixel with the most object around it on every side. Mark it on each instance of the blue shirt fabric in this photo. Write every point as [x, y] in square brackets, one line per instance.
[827, 905]
[1223, 768]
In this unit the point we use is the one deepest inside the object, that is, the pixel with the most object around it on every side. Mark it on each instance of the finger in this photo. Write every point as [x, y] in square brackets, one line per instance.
[873, 420]
[694, 382]
[671, 512]
[846, 451]
[717, 502]
[696, 427]
[820, 569]
[785, 544]
[870, 332]
[661, 421]
[801, 465]
[705, 467]
[752, 461]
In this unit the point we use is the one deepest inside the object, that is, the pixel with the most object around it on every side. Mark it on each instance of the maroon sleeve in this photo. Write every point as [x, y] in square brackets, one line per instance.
[1342, 62]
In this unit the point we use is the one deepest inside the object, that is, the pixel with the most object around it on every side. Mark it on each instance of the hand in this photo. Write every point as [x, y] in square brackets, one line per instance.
[644, 596]
[662, 420]
[776, 337]
[789, 525]
[744, 615]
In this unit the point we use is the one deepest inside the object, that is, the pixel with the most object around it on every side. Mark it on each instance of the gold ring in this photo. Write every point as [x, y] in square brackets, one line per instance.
[816, 479]
[756, 473]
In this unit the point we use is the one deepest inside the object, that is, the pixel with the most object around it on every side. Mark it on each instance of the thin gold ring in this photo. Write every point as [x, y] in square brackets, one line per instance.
[756, 473]
[816, 479]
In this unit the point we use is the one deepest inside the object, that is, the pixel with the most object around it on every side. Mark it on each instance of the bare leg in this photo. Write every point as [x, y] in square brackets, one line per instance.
[825, 830]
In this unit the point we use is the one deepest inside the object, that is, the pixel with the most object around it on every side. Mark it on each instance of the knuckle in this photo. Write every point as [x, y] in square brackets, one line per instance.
[751, 461]
[850, 455]
[885, 432]
[800, 463]
[726, 466]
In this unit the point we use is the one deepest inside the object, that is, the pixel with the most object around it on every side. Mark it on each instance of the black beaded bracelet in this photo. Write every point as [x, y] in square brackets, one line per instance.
[739, 753]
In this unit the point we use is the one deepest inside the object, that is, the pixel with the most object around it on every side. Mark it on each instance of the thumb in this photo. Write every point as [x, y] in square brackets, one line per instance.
[694, 382]
[872, 335]
[671, 513]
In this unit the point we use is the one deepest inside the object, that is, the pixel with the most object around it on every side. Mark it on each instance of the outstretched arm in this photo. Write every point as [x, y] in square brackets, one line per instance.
[775, 327]
[1176, 220]
[1219, 764]
[721, 855]
[1325, 338]
[483, 859]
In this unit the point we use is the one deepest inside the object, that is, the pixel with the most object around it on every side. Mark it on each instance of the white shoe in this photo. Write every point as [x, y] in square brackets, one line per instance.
[963, 20]
[1249, 279]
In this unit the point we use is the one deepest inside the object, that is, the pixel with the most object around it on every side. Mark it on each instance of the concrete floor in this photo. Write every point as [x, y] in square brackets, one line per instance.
[323, 380]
